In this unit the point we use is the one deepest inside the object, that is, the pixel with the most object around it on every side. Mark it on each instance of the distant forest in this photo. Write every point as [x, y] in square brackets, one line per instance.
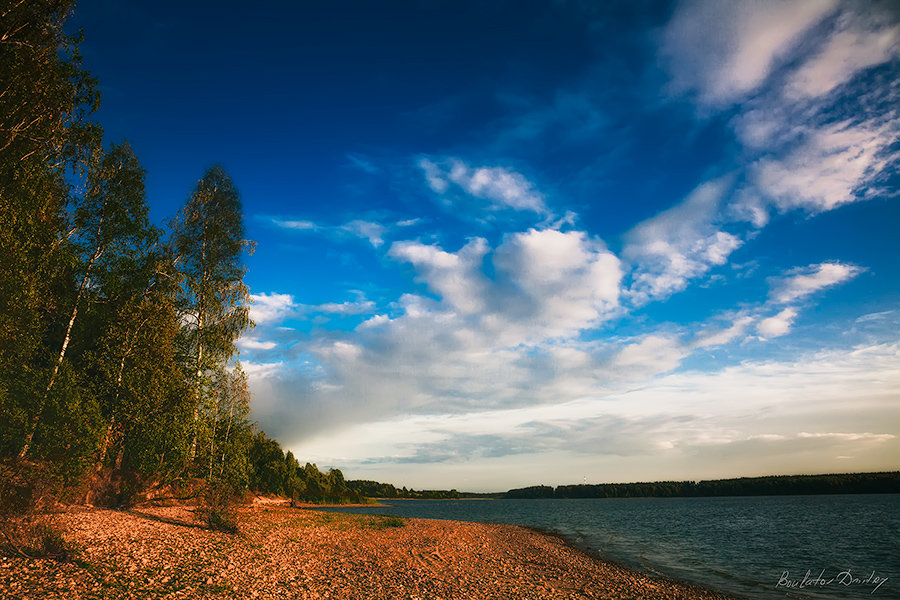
[783, 485]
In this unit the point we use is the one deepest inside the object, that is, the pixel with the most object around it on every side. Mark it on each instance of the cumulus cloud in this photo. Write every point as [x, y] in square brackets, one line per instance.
[561, 282]
[260, 371]
[652, 354]
[503, 188]
[455, 276]
[267, 308]
[679, 244]
[254, 344]
[802, 283]
[777, 325]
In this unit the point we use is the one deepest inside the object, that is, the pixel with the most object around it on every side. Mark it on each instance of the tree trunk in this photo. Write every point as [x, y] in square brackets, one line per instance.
[35, 420]
[227, 433]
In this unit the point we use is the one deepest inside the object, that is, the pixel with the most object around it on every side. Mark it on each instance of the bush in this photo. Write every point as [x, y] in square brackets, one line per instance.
[219, 508]
[26, 527]
[111, 488]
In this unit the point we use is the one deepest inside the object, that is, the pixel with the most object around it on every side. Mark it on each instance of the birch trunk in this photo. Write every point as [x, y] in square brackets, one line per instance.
[35, 420]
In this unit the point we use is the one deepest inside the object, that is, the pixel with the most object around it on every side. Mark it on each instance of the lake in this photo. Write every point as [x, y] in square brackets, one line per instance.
[817, 547]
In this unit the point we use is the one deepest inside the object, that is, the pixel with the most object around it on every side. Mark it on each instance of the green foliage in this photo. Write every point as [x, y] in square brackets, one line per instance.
[374, 489]
[45, 102]
[116, 337]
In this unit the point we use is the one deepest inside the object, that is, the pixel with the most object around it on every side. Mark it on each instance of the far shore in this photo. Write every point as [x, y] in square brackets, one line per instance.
[281, 552]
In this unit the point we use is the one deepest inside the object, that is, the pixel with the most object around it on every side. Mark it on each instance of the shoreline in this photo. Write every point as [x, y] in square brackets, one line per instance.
[283, 552]
[626, 566]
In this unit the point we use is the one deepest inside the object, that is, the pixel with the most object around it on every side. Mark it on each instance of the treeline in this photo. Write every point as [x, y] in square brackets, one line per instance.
[374, 489]
[272, 471]
[117, 337]
[848, 483]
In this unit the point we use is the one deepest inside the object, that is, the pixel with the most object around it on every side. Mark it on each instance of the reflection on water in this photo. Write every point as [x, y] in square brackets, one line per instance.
[822, 547]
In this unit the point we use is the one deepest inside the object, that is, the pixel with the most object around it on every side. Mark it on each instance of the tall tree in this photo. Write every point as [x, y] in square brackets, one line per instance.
[46, 100]
[110, 224]
[208, 239]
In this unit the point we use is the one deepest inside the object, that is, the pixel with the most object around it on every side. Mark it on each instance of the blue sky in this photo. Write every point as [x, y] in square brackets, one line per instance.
[510, 243]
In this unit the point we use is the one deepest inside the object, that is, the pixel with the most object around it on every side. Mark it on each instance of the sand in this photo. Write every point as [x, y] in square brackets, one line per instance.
[283, 552]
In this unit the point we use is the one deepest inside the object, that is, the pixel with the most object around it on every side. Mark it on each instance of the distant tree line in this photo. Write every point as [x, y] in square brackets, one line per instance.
[272, 471]
[374, 489]
[848, 483]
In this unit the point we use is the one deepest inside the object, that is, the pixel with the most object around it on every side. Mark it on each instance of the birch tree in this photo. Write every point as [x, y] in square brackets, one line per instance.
[208, 239]
[46, 100]
[109, 218]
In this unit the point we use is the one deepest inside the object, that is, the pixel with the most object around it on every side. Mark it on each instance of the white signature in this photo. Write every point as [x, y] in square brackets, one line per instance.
[844, 578]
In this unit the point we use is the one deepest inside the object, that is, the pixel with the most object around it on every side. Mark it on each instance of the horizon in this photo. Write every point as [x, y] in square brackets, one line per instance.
[544, 243]
[601, 483]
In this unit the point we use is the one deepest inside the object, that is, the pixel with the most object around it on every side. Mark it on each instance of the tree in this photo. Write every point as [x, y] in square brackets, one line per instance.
[139, 368]
[46, 100]
[110, 223]
[230, 443]
[208, 239]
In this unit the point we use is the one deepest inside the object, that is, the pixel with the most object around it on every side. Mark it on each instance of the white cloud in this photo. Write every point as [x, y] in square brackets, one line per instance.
[259, 371]
[358, 307]
[813, 278]
[851, 437]
[456, 277]
[546, 283]
[778, 325]
[740, 420]
[679, 244]
[653, 354]
[718, 337]
[827, 169]
[727, 50]
[294, 224]
[503, 188]
[434, 175]
[366, 229]
[254, 344]
[563, 282]
[267, 308]
[858, 42]
[810, 147]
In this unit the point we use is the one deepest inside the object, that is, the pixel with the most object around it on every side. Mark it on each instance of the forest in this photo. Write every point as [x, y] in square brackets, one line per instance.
[844, 483]
[118, 368]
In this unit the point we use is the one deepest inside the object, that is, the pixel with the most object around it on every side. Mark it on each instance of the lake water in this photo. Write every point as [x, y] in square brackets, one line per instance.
[821, 547]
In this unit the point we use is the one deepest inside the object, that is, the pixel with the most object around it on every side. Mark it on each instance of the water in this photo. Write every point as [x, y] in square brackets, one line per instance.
[750, 547]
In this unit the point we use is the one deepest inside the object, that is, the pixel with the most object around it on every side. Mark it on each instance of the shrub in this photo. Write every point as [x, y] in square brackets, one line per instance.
[113, 488]
[26, 528]
[219, 507]
[383, 522]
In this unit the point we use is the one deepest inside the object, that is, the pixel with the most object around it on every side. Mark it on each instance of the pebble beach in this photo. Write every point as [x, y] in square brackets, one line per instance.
[283, 552]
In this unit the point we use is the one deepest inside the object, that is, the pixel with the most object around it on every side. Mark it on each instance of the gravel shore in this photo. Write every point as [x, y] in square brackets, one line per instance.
[282, 552]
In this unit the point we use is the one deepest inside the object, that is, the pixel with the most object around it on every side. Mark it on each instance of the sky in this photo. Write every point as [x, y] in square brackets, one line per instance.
[506, 243]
